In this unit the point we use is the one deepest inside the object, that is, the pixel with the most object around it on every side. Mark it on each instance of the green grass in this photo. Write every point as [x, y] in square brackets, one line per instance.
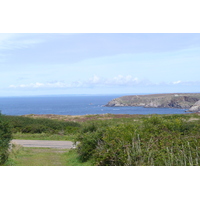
[72, 159]
[30, 156]
[164, 140]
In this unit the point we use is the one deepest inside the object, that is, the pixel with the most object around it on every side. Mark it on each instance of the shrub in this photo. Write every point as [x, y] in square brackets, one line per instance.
[155, 140]
[30, 125]
[90, 137]
[5, 138]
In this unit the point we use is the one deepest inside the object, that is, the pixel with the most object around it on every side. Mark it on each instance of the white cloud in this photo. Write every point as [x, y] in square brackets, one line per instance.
[186, 83]
[115, 81]
[54, 84]
[176, 82]
[122, 80]
[95, 81]
[91, 82]
[13, 41]
[5, 45]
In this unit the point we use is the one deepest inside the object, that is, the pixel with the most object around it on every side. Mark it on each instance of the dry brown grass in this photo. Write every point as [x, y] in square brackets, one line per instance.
[193, 119]
[83, 118]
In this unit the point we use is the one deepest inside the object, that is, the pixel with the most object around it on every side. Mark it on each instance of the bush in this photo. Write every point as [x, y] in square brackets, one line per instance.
[30, 125]
[90, 137]
[5, 138]
[155, 140]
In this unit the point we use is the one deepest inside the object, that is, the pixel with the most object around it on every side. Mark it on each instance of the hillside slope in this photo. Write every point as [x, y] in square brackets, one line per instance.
[195, 107]
[172, 100]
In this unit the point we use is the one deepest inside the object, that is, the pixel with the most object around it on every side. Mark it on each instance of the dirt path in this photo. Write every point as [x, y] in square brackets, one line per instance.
[44, 143]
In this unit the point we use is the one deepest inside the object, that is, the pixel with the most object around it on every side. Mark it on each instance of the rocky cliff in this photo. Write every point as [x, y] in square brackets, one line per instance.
[195, 107]
[175, 100]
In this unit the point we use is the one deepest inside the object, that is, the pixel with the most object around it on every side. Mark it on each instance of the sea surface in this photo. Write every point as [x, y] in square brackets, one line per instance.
[72, 105]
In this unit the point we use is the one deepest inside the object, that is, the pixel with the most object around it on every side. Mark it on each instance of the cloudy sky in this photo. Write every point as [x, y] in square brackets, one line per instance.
[104, 63]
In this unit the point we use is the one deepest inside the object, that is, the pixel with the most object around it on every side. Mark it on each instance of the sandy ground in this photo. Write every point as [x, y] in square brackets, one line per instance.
[44, 143]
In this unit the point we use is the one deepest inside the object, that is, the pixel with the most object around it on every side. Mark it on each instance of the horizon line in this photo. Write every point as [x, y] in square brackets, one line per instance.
[60, 95]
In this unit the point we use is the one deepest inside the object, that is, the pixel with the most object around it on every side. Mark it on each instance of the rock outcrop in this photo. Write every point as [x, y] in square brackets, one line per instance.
[175, 100]
[195, 107]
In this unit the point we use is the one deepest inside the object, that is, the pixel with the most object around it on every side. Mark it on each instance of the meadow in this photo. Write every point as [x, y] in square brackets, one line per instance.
[110, 140]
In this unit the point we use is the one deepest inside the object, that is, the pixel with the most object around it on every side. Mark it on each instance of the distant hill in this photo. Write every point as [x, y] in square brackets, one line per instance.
[171, 100]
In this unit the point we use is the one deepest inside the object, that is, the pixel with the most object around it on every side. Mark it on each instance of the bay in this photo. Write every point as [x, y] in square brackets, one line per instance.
[73, 105]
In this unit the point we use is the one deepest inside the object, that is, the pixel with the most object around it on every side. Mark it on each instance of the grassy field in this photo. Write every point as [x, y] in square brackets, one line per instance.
[30, 156]
[109, 140]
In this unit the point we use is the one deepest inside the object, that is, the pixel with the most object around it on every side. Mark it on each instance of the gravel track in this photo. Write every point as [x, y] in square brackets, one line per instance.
[44, 143]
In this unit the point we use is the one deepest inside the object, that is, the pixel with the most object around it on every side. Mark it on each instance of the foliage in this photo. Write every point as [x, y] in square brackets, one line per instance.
[5, 138]
[90, 136]
[153, 140]
[30, 125]
[160, 140]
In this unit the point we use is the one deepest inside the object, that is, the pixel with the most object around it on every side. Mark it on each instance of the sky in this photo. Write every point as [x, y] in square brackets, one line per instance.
[153, 62]
[98, 63]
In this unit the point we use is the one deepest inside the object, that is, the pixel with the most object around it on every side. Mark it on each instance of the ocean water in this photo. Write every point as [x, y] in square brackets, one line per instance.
[72, 105]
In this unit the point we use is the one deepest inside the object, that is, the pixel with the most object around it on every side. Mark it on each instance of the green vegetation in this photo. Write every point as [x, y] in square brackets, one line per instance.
[28, 156]
[5, 138]
[72, 159]
[172, 140]
[110, 140]
[44, 129]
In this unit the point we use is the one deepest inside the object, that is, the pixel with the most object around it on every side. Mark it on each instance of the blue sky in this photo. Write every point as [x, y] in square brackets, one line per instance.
[104, 63]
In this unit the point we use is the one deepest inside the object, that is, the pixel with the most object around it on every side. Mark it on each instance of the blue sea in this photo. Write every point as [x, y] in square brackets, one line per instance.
[72, 105]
